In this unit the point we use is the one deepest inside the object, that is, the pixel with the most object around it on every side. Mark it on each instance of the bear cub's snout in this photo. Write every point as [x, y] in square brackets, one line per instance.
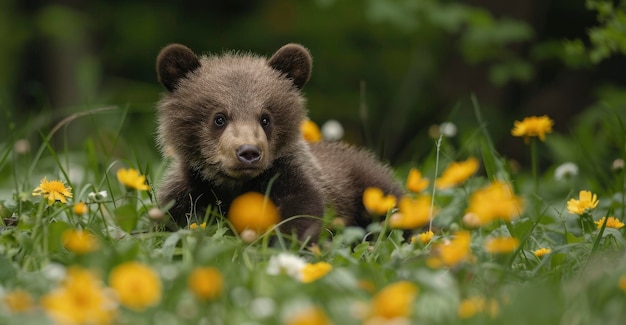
[249, 154]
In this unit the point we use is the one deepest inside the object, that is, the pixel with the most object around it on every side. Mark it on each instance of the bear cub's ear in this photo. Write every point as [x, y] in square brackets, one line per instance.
[174, 62]
[294, 61]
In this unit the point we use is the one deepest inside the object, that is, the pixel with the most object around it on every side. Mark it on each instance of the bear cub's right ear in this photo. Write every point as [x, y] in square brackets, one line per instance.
[174, 62]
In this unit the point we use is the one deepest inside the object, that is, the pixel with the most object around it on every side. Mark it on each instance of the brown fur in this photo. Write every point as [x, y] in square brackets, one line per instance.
[232, 124]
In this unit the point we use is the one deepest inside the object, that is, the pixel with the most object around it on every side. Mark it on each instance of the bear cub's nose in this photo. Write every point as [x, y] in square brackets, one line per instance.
[248, 153]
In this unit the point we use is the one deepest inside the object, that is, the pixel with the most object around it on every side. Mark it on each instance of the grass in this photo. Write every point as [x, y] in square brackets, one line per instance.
[350, 280]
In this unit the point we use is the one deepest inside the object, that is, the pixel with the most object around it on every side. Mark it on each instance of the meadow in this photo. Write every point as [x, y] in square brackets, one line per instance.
[493, 241]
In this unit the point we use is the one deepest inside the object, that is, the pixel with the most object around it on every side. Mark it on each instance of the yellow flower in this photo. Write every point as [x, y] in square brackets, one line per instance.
[394, 301]
[315, 249]
[80, 208]
[136, 285]
[310, 131]
[366, 285]
[622, 283]
[474, 305]
[17, 301]
[424, 237]
[132, 179]
[81, 299]
[501, 245]
[457, 172]
[611, 223]
[311, 272]
[53, 191]
[542, 251]
[415, 183]
[533, 126]
[452, 252]
[309, 316]
[376, 202]
[586, 201]
[253, 211]
[79, 241]
[413, 213]
[205, 283]
[494, 202]
[196, 226]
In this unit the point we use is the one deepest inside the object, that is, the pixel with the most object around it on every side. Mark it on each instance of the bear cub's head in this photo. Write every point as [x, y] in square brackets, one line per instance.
[229, 117]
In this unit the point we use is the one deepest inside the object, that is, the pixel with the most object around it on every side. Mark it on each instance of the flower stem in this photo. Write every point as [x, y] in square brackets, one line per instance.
[534, 163]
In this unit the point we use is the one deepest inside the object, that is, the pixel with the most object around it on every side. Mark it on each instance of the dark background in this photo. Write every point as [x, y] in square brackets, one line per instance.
[387, 70]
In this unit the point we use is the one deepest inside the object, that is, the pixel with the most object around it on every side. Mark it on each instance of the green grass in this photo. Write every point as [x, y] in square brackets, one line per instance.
[577, 283]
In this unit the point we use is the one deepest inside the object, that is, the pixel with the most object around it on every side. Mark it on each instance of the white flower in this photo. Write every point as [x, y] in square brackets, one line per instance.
[21, 146]
[99, 196]
[155, 213]
[54, 272]
[285, 263]
[471, 220]
[332, 130]
[262, 307]
[447, 129]
[565, 170]
[618, 164]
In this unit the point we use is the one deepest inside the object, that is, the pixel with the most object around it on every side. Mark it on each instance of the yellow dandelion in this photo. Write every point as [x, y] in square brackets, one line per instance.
[310, 131]
[542, 252]
[586, 201]
[132, 179]
[309, 316]
[137, 285]
[79, 241]
[376, 202]
[253, 211]
[424, 237]
[501, 245]
[315, 249]
[533, 126]
[366, 285]
[493, 202]
[611, 223]
[474, 305]
[622, 283]
[415, 183]
[312, 272]
[412, 214]
[80, 208]
[457, 172]
[452, 252]
[17, 301]
[194, 225]
[53, 191]
[206, 283]
[394, 301]
[81, 299]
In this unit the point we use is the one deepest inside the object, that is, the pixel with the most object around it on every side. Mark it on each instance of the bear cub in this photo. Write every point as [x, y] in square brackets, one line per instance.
[231, 125]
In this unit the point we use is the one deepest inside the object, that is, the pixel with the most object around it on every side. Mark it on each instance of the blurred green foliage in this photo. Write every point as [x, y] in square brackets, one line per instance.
[386, 69]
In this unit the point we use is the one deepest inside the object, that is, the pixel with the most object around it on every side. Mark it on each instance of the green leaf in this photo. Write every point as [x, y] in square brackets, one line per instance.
[571, 239]
[126, 217]
[7, 272]
[522, 228]
[558, 259]
[55, 232]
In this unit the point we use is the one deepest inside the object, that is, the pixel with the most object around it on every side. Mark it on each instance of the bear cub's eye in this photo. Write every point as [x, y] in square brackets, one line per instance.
[220, 120]
[265, 121]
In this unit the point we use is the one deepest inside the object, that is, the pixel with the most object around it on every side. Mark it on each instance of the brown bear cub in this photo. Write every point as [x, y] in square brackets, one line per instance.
[231, 123]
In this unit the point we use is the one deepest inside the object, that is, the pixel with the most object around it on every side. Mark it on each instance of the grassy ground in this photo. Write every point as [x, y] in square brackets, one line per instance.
[511, 243]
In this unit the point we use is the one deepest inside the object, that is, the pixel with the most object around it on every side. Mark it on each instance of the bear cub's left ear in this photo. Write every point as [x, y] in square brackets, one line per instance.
[295, 61]
[173, 63]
